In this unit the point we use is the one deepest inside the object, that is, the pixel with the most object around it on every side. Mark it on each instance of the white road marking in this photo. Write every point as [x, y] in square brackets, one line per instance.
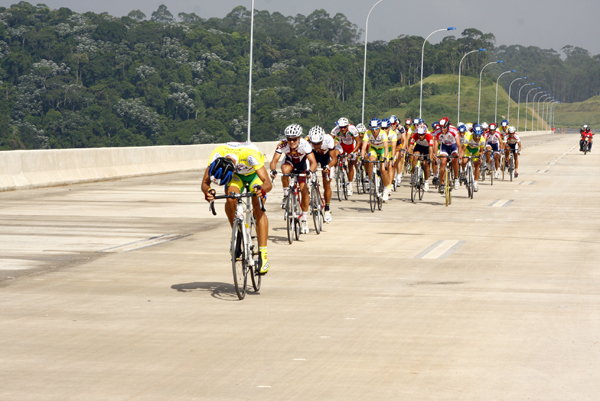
[527, 183]
[500, 203]
[440, 250]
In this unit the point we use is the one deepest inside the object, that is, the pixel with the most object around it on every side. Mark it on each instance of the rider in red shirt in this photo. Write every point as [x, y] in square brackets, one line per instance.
[586, 132]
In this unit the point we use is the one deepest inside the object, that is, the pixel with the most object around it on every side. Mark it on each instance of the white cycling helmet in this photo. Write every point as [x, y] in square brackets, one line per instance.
[316, 134]
[484, 125]
[293, 131]
[512, 130]
[459, 124]
[361, 127]
[421, 129]
[343, 122]
[416, 122]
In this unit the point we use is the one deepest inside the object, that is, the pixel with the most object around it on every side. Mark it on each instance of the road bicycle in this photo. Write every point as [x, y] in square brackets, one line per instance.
[317, 206]
[585, 147]
[469, 176]
[448, 179]
[361, 178]
[511, 163]
[417, 179]
[244, 242]
[341, 177]
[490, 167]
[293, 210]
[375, 186]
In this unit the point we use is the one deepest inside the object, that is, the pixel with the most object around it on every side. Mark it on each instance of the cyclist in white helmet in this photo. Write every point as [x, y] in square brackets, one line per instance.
[299, 158]
[349, 137]
[325, 152]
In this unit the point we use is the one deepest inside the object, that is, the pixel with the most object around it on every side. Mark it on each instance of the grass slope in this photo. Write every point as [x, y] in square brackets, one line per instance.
[574, 115]
[445, 101]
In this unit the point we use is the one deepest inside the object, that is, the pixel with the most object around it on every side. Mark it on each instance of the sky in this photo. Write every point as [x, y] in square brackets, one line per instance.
[549, 24]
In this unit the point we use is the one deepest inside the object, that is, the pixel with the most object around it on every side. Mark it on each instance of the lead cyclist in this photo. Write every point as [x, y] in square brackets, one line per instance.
[349, 137]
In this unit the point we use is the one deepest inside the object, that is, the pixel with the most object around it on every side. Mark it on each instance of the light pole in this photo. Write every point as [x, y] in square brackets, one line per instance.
[365, 65]
[497, 80]
[533, 106]
[250, 78]
[548, 113]
[509, 86]
[544, 113]
[422, 55]
[479, 106]
[459, 71]
[554, 104]
[538, 111]
[519, 104]
[526, 102]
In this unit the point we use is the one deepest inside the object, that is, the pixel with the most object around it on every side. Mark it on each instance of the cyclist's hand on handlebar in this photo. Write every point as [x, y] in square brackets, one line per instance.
[313, 176]
[260, 191]
[210, 195]
[273, 174]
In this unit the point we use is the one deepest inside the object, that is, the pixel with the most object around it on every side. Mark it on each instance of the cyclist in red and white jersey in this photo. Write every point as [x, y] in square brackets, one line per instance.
[494, 143]
[449, 139]
[325, 152]
[586, 132]
[299, 158]
[512, 141]
[350, 139]
[421, 143]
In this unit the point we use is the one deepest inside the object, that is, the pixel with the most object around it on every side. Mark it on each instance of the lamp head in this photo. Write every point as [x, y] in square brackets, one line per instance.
[451, 28]
[500, 61]
[481, 50]
[514, 71]
[524, 78]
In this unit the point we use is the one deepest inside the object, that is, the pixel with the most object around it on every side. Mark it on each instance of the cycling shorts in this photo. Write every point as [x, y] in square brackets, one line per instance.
[424, 150]
[495, 147]
[376, 152]
[472, 151]
[300, 167]
[238, 182]
[512, 146]
[447, 150]
[348, 148]
[322, 160]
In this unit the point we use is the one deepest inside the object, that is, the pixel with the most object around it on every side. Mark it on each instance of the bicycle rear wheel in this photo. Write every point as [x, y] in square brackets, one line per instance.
[256, 277]
[469, 176]
[238, 259]
[289, 211]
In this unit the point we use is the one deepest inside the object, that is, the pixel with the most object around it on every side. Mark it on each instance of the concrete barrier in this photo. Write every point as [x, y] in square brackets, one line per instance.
[26, 169]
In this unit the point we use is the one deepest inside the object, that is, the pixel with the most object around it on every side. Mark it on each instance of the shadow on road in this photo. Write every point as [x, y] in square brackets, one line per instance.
[222, 291]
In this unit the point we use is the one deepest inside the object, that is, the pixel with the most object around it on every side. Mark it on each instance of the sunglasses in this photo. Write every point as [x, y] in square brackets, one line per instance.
[293, 139]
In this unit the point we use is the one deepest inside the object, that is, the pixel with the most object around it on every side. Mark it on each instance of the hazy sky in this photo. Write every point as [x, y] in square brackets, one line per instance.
[543, 23]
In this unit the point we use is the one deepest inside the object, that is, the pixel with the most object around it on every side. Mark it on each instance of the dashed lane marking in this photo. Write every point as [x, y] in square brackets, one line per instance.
[152, 241]
[440, 250]
[501, 203]
[527, 183]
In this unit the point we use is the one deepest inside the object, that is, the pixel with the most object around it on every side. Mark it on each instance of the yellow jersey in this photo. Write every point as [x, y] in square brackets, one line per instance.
[248, 158]
[375, 142]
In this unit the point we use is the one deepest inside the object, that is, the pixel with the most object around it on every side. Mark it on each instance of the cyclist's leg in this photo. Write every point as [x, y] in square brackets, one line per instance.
[476, 165]
[487, 154]
[235, 186]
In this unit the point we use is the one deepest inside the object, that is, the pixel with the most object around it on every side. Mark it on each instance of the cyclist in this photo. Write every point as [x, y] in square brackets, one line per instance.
[585, 132]
[513, 142]
[298, 159]
[376, 142]
[469, 127]
[349, 137]
[485, 127]
[473, 146]
[232, 165]
[326, 154]
[392, 137]
[449, 139]
[421, 143]
[494, 145]
[504, 128]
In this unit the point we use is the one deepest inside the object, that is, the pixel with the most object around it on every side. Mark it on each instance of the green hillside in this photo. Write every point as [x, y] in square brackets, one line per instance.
[574, 115]
[442, 101]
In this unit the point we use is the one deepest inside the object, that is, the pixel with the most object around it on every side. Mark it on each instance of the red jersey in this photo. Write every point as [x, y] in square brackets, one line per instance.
[427, 141]
[449, 138]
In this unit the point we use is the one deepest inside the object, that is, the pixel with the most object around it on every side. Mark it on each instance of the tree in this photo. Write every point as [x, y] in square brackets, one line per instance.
[137, 15]
[162, 15]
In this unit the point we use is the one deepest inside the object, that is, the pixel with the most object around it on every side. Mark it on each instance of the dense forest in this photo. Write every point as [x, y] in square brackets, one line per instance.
[87, 80]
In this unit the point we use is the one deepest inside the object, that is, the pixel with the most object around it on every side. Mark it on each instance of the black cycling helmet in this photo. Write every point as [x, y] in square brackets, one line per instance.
[221, 171]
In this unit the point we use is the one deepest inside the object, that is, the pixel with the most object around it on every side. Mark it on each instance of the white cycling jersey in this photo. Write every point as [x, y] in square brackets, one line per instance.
[349, 137]
[493, 137]
[298, 154]
[327, 145]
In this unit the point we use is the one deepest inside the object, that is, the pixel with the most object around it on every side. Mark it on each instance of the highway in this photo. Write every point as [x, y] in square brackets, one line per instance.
[122, 290]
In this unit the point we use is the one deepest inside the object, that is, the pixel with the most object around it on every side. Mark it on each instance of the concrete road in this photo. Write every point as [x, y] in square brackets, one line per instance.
[123, 291]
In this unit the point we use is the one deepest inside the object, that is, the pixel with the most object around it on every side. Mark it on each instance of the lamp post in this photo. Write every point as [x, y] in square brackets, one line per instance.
[526, 102]
[509, 86]
[519, 104]
[422, 55]
[549, 114]
[497, 80]
[538, 111]
[459, 71]
[365, 65]
[479, 106]
[533, 106]
[250, 78]
[545, 104]
[553, 113]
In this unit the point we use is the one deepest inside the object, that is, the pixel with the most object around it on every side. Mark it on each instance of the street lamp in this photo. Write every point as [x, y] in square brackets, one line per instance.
[365, 66]
[544, 114]
[479, 106]
[496, 110]
[533, 106]
[250, 78]
[459, 71]
[509, 86]
[519, 105]
[538, 111]
[422, 55]
[526, 102]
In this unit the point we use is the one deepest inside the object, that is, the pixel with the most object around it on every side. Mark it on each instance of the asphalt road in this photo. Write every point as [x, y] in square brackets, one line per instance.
[123, 290]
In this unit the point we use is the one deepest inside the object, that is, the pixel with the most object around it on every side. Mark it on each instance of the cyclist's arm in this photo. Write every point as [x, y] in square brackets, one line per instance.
[364, 149]
[274, 161]
[264, 177]
[313, 162]
[206, 186]
[386, 149]
[334, 158]
[358, 143]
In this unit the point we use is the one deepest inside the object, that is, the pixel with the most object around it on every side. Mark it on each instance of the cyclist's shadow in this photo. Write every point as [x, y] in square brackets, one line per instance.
[222, 291]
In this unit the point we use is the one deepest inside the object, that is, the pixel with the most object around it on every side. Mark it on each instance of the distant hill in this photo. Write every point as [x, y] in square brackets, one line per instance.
[441, 99]
[574, 115]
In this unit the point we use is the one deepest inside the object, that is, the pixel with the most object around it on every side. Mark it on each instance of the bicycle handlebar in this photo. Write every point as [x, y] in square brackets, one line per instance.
[236, 196]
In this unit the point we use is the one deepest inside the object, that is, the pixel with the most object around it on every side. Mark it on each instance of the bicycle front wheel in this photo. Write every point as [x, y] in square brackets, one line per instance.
[372, 193]
[256, 277]
[314, 209]
[238, 259]
[338, 184]
[380, 190]
[447, 188]
[289, 211]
